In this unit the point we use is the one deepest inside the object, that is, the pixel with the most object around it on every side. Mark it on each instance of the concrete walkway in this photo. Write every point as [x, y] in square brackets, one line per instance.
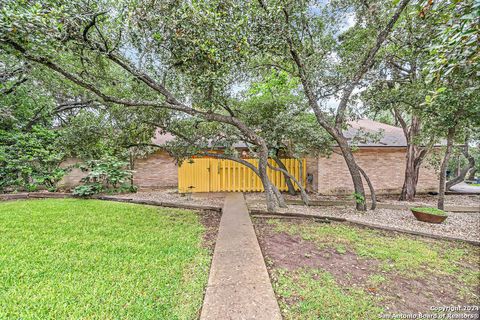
[465, 188]
[239, 286]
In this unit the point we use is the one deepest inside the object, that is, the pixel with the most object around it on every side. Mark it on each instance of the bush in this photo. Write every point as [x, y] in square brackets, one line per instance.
[106, 175]
[30, 160]
[358, 198]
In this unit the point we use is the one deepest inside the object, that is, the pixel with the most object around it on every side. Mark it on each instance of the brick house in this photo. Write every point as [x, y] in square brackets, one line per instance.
[383, 160]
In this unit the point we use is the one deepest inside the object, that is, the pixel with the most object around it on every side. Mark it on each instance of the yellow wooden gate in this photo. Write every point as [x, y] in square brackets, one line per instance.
[217, 175]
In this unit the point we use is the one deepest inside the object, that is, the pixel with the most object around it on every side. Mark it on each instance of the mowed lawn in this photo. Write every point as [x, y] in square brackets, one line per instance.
[87, 259]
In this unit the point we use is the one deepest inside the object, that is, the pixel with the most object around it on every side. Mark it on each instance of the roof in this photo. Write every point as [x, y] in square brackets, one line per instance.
[162, 137]
[390, 136]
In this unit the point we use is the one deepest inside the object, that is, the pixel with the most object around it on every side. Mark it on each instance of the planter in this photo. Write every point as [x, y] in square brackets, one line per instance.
[428, 217]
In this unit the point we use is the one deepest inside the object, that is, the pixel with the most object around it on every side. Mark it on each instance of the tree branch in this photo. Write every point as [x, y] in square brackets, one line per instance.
[292, 177]
[402, 122]
[170, 103]
[367, 63]
[13, 87]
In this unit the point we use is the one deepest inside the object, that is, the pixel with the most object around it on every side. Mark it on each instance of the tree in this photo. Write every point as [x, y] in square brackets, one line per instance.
[399, 90]
[454, 66]
[453, 112]
[190, 59]
[30, 154]
[328, 62]
[469, 167]
[127, 56]
[273, 106]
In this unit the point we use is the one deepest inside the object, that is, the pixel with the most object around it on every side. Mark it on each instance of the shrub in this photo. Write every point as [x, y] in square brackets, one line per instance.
[30, 160]
[106, 175]
[358, 198]
[87, 190]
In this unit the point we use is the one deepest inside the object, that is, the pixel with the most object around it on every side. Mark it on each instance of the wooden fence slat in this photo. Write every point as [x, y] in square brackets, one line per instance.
[213, 175]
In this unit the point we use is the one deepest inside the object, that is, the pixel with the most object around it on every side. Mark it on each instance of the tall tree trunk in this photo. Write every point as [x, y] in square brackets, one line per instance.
[443, 169]
[457, 167]
[291, 188]
[354, 171]
[414, 156]
[412, 172]
[272, 198]
[463, 172]
[373, 195]
[409, 188]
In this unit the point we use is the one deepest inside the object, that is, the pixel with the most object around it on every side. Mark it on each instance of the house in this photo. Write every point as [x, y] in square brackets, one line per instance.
[383, 159]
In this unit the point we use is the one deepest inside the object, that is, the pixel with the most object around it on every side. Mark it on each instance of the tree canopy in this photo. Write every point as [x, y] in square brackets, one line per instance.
[279, 76]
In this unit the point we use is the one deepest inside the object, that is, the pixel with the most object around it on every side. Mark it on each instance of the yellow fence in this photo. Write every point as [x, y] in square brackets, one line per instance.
[216, 175]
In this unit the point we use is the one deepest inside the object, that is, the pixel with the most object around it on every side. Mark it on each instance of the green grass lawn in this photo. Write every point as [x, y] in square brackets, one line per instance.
[356, 273]
[87, 259]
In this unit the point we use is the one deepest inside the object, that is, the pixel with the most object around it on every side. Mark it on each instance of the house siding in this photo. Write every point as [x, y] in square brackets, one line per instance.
[384, 166]
[73, 176]
[156, 171]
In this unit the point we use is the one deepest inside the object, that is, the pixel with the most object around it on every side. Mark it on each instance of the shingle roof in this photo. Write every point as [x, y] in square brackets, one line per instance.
[391, 136]
[161, 137]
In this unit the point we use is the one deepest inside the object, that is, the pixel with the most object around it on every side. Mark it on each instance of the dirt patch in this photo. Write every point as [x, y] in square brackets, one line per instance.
[292, 252]
[211, 221]
[420, 294]
[395, 292]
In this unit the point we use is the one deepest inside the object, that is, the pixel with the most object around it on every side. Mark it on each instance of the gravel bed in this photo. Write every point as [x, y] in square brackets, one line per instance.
[421, 200]
[472, 200]
[461, 225]
[172, 195]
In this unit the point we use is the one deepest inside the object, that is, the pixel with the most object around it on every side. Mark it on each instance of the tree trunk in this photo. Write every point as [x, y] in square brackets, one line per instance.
[471, 174]
[373, 195]
[409, 188]
[412, 171]
[271, 198]
[458, 167]
[463, 172]
[303, 193]
[414, 156]
[278, 195]
[354, 171]
[443, 169]
[291, 188]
